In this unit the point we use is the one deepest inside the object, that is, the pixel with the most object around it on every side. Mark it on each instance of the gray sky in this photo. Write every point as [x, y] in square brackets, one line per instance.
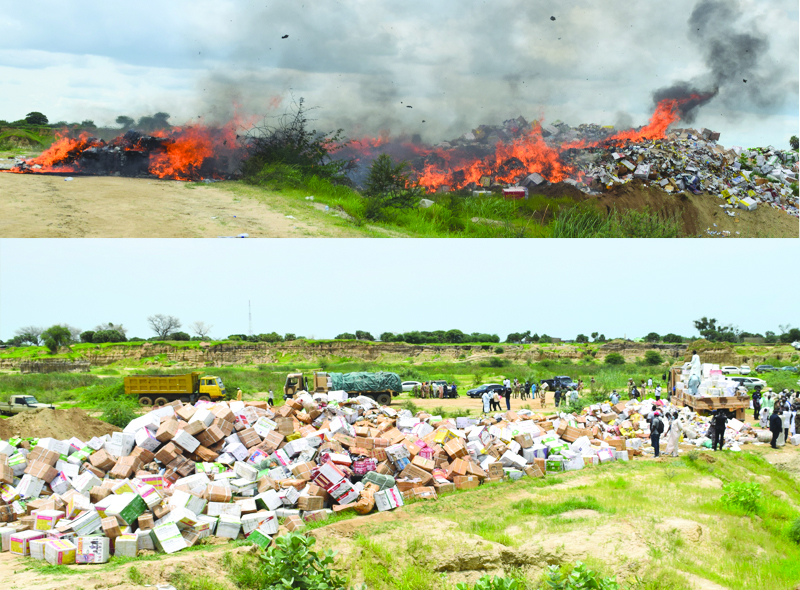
[459, 64]
[320, 288]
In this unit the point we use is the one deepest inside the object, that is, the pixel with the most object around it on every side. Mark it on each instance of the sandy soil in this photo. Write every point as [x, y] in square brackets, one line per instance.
[112, 207]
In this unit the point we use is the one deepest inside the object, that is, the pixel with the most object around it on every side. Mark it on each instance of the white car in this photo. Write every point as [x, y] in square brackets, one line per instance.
[730, 370]
[750, 382]
[410, 385]
[744, 370]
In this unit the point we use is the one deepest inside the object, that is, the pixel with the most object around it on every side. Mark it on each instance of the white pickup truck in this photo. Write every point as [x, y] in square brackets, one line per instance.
[21, 403]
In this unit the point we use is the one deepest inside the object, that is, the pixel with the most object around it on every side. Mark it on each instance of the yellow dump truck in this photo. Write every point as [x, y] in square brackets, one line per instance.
[159, 390]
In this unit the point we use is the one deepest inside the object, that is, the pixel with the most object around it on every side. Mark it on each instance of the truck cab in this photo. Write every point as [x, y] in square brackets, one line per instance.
[211, 388]
[295, 382]
[22, 403]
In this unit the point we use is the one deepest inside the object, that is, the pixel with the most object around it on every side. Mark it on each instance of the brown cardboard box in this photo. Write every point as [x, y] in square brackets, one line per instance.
[475, 469]
[442, 488]
[44, 455]
[294, 523]
[41, 470]
[194, 428]
[217, 493]
[310, 503]
[111, 527]
[285, 425]
[167, 430]
[413, 472]
[205, 454]
[266, 483]
[102, 460]
[525, 440]
[249, 437]
[533, 471]
[459, 467]
[572, 434]
[161, 511]
[226, 426]
[186, 413]
[425, 493]
[6, 474]
[466, 482]
[167, 453]
[540, 463]
[495, 470]
[455, 448]
[211, 435]
[344, 440]
[562, 428]
[422, 463]
[143, 455]
[97, 493]
[223, 412]
[303, 470]
[618, 444]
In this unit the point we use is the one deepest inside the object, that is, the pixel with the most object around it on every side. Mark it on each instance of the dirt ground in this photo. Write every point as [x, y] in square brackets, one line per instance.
[114, 207]
[60, 424]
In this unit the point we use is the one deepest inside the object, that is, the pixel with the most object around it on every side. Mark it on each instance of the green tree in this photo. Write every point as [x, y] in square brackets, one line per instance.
[55, 337]
[29, 335]
[125, 122]
[651, 357]
[794, 142]
[101, 336]
[363, 335]
[601, 338]
[615, 358]
[346, 336]
[88, 124]
[455, 336]
[594, 335]
[652, 337]
[545, 339]
[581, 338]
[672, 338]
[387, 337]
[289, 337]
[35, 118]
[179, 336]
[87, 336]
[271, 337]
[389, 186]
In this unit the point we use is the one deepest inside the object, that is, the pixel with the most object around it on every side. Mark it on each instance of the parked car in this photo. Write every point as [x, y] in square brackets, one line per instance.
[448, 389]
[478, 391]
[563, 381]
[744, 370]
[789, 368]
[410, 385]
[750, 382]
[765, 369]
[730, 370]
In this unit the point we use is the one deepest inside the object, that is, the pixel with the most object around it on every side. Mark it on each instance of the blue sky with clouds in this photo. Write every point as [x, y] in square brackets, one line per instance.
[460, 64]
[320, 288]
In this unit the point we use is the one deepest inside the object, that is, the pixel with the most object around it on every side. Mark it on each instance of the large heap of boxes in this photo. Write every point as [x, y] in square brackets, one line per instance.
[181, 473]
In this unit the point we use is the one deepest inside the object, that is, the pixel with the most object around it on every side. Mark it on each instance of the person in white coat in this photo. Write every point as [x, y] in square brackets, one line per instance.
[487, 398]
[695, 367]
[673, 434]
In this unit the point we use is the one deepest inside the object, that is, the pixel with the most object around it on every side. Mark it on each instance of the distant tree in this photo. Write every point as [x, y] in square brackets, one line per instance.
[362, 335]
[136, 339]
[545, 339]
[581, 338]
[713, 332]
[162, 118]
[289, 337]
[651, 357]
[111, 326]
[202, 329]
[770, 337]
[87, 336]
[35, 118]
[271, 337]
[652, 337]
[387, 337]
[672, 338]
[594, 336]
[615, 358]
[101, 336]
[389, 186]
[791, 335]
[237, 337]
[514, 338]
[454, 336]
[55, 337]
[29, 335]
[180, 336]
[794, 142]
[125, 122]
[346, 336]
[535, 338]
[88, 124]
[163, 325]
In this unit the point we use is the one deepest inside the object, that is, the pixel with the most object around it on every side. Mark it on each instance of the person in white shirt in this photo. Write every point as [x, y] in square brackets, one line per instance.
[696, 367]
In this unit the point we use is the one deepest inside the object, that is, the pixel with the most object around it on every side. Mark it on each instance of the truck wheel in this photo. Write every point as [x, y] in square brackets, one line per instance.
[161, 401]
[204, 398]
[384, 399]
[145, 401]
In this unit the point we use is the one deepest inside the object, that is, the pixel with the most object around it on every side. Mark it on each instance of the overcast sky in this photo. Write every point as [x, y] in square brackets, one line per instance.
[320, 288]
[458, 64]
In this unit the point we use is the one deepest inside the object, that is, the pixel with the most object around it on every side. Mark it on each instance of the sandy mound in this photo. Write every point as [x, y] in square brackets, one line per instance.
[60, 424]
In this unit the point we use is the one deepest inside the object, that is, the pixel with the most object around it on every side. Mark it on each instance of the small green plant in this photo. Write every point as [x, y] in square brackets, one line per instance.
[693, 455]
[119, 413]
[580, 578]
[794, 531]
[292, 564]
[744, 495]
[615, 358]
[136, 576]
[490, 583]
[499, 350]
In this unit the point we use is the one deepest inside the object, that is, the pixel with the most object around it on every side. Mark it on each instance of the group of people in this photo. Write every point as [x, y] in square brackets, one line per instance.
[434, 390]
[645, 389]
[778, 412]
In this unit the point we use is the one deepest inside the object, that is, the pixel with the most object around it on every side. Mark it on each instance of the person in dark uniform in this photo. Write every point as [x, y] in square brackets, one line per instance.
[557, 395]
[756, 403]
[656, 428]
[508, 398]
[775, 427]
[720, 422]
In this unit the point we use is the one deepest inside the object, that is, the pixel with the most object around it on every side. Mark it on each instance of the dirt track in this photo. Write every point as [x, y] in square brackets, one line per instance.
[113, 207]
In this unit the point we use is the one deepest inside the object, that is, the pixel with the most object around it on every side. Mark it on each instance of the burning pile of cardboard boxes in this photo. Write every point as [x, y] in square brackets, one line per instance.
[181, 473]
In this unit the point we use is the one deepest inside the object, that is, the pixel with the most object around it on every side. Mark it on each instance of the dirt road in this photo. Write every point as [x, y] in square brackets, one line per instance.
[112, 207]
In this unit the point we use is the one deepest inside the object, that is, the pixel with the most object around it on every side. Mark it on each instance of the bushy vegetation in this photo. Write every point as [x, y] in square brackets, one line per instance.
[614, 358]
[293, 564]
[741, 494]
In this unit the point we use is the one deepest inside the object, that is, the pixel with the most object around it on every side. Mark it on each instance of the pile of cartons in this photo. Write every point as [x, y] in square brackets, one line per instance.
[181, 473]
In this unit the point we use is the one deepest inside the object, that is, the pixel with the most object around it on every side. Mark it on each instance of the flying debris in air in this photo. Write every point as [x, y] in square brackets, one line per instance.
[552, 18]
[408, 106]
[285, 37]
[743, 80]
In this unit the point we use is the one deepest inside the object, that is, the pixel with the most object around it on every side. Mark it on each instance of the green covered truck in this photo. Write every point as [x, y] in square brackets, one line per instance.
[381, 386]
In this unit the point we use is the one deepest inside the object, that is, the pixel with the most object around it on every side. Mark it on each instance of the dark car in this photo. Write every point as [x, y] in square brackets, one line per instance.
[478, 391]
[563, 381]
[765, 369]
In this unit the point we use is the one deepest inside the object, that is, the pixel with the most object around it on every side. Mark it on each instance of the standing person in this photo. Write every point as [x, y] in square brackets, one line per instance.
[543, 394]
[526, 389]
[557, 395]
[496, 400]
[508, 398]
[614, 398]
[592, 383]
[658, 393]
[271, 397]
[756, 402]
[718, 424]
[454, 390]
[573, 396]
[674, 432]
[763, 417]
[643, 388]
[441, 391]
[775, 427]
[695, 367]
[516, 388]
[649, 383]
[238, 394]
[487, 400]
[786, 418]
[656, 430]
